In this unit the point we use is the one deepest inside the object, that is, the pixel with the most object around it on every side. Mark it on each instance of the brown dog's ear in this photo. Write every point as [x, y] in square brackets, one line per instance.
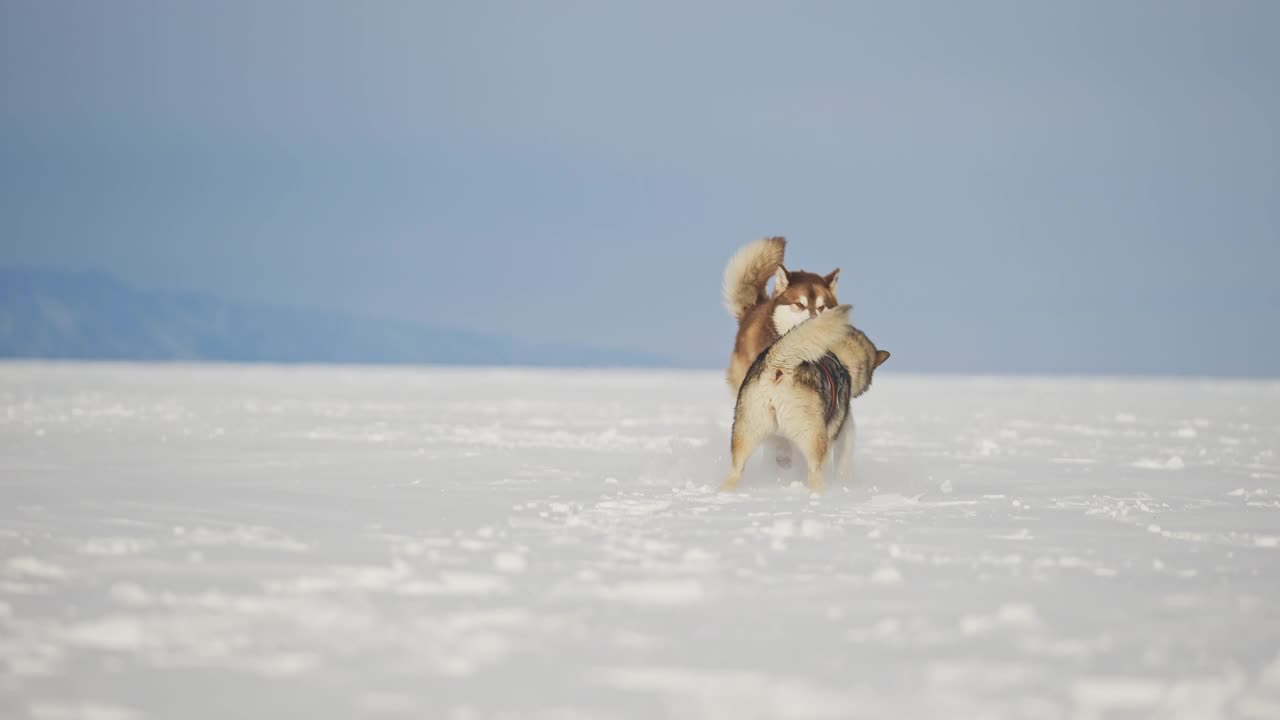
[881, 356]
[831, 278]
[780, 280]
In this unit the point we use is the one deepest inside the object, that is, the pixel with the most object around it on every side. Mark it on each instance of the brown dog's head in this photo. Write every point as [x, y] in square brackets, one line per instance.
[800, 295]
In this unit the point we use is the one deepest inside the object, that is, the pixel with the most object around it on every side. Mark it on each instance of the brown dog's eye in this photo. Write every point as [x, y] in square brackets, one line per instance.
[799, 306]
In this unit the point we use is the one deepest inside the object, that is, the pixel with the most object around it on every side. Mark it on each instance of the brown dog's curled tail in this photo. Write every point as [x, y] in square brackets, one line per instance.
[749, 271]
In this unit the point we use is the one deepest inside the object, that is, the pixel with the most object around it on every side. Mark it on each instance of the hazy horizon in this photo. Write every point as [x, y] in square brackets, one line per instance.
[1085, 189]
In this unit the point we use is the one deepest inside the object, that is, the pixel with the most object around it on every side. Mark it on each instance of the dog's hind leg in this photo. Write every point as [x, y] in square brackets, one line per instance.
[815, 448]
[747, 434]
[844, 451]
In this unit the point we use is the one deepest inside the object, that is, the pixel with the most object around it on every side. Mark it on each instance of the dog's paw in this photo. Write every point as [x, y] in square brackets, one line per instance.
[731, 482]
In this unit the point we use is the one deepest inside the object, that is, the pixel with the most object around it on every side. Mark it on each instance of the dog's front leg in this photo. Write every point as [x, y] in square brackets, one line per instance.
[780, 448]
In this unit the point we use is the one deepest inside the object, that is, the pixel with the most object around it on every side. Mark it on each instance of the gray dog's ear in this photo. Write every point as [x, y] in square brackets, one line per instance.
[881, 356]
[780, 280]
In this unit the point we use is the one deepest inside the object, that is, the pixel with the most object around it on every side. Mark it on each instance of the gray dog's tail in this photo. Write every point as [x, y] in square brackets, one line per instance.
[810, 340]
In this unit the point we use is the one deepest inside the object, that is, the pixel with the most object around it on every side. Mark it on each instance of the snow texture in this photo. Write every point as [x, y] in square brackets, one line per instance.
[266, 542]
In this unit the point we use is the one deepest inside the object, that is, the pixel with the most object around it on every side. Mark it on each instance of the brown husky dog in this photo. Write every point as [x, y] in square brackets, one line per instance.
[762, 318]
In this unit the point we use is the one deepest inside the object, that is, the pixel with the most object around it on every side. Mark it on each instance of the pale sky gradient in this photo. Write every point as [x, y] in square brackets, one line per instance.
[1007, 186]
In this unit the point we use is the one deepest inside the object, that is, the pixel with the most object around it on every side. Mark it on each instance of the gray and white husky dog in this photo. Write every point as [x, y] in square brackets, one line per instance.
[800, 388]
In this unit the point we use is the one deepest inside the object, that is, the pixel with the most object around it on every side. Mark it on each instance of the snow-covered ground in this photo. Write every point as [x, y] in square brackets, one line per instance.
[256, 542]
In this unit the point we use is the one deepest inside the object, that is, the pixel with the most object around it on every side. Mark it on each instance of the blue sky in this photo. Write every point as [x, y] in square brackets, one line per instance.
[1008, 187]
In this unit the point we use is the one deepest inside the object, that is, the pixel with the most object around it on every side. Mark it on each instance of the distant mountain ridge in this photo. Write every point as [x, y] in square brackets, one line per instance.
[93, 316]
